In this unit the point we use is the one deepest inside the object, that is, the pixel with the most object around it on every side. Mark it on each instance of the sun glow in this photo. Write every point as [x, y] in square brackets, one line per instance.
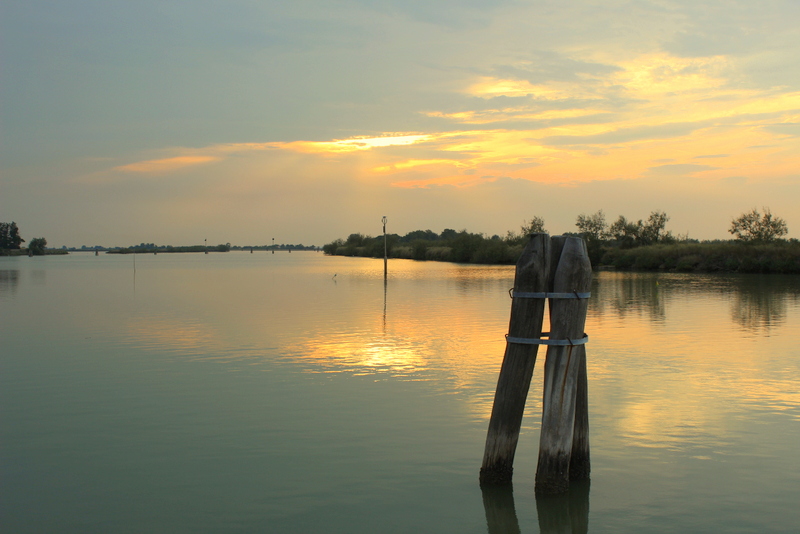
[414, 163]
[660, 74]
[640, 113]
[353, 144]
[489, 87]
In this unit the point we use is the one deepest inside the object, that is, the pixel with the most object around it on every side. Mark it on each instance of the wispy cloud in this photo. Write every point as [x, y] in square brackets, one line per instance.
[191, 157]
[165, 165]
[681, 169]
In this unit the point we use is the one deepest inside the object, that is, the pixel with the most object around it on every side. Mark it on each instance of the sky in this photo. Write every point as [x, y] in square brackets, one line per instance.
[176, 121]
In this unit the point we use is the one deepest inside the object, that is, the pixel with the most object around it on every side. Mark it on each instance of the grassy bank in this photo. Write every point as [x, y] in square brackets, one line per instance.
[779, 257]
[464, 247]
[459, 247]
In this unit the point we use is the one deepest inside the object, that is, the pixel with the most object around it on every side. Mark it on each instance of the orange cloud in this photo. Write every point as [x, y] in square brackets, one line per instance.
[626, 122]
[413, 163]
[160, 166]
[514, 114]
[457, 180]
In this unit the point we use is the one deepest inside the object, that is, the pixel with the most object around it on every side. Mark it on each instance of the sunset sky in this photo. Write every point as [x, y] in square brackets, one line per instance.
[239, 121]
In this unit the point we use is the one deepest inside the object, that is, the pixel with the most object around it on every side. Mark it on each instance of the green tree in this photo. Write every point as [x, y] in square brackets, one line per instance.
[593, 227]
[629, 234]
[37, 245]
[357, 240]
[756, 227]
[447, 234]
[331, 247]
[626, 233]
[465, 245]
[9, 236]
[594, 230]
[654, 230]
[534, 226]
[424, 235]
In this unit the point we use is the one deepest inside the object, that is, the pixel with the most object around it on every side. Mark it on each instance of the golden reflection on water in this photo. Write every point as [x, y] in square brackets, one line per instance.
[360, 354]
[173, 335]
[669, 354]
[679, 358]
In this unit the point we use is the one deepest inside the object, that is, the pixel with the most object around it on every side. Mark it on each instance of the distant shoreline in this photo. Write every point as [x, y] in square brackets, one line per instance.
[24, 252]
[726, 257]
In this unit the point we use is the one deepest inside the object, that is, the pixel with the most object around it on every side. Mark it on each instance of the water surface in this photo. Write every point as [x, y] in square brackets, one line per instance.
[299, 393]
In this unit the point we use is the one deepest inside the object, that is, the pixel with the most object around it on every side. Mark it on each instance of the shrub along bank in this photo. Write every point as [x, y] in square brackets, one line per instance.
[688, 256]
[735, 257]
[459, 247]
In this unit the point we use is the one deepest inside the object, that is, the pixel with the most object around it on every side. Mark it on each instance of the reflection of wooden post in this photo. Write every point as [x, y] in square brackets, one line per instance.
[566, 512]
[562, 370]
[515, 374]
[501, 515]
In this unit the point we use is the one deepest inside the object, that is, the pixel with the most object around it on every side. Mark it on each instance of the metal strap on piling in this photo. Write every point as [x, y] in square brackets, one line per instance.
[538, 341]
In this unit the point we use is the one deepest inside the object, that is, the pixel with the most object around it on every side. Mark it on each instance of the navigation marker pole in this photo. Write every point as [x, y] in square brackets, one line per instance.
[385, 256]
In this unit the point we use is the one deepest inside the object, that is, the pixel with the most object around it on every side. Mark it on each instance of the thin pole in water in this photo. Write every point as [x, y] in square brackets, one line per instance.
[385, 256]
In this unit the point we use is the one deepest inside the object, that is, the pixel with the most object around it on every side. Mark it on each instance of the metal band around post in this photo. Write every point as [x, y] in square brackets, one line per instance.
[558, 342]
[528, 295]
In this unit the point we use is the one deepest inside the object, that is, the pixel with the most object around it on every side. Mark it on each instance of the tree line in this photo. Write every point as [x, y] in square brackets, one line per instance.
[624, 243]
[11, 241]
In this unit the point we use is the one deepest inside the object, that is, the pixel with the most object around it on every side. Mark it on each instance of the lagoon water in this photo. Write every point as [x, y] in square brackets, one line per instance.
[258, 392]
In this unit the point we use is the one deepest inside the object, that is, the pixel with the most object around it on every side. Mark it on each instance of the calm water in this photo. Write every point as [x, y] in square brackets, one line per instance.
[259, 393]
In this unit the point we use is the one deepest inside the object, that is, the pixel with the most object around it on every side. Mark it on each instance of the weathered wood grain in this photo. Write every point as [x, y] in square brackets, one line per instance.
[562, 369]
[532, 274]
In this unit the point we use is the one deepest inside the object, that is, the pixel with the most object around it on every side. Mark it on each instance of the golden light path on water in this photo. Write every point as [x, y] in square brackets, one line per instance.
[669, 356]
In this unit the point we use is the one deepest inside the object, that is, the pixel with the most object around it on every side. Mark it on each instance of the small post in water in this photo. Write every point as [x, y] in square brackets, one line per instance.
[385, 255]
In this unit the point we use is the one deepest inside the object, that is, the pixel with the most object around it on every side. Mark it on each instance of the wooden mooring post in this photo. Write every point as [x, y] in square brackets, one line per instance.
[532, 275]
[562, 373]
[557, 269]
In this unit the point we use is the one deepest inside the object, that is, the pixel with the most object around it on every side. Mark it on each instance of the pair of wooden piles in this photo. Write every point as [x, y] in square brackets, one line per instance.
[549, 269]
